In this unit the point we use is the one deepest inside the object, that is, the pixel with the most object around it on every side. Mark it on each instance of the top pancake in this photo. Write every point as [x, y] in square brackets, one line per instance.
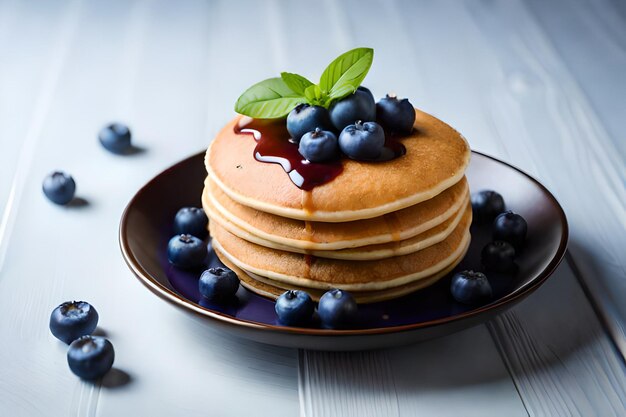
[436, 158]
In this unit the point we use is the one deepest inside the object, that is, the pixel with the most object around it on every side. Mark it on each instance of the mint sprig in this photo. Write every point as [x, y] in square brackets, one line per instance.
[269, 99]
[276, 97]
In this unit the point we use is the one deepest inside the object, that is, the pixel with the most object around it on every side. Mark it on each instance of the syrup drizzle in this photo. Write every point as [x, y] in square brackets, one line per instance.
[394, 225]
[308, 261]
[274, 145]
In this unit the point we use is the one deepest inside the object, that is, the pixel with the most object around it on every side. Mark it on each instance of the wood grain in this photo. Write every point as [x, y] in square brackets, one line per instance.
[512, 96]
[581, 378]
[539, 84]
[175, 365]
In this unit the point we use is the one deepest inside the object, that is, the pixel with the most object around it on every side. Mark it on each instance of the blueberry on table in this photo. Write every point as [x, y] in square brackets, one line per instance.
[186, 251]
[498, 256]
[486, 205]
[90, 357]
[357, 106]
[294, 307]
[395, 115]
[73, 319]
[306, 118]
[218, 284]
[469, 287]
[59, 187]
[510, 227]
[337, 309]
[115, 138]
[362, 141]
[192, 221]
[319, 146]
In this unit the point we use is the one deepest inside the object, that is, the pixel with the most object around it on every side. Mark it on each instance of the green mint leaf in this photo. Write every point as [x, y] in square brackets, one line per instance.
[349, 68]
[315, 95]
[296, 82]
[340, 91]
[269, 99]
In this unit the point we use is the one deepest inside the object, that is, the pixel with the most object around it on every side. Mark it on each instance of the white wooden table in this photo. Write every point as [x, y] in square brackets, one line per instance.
[541, 84]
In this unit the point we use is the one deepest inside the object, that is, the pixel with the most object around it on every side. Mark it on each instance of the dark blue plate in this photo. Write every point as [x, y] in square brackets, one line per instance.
[146, 227]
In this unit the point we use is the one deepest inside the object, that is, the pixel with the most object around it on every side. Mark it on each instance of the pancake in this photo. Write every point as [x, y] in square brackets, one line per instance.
[302, 270]
[303, 235]
[436, 157]
[371, 252]
[273, 289]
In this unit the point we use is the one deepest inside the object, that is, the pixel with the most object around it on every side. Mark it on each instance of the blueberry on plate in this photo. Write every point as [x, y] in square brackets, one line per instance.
[357, 106]
[294, 307]
[115, 138]
[337, 309]
[218, 284]
[362, 141]
[367, 91]
[469, 287]
[510, 227]
[306, 118]
[186, 251]
[73, 319]
[90, 357]
[498, 256]
[192, 221]
[486, 205]
[59, 187]
[395, 115]
[319, 146]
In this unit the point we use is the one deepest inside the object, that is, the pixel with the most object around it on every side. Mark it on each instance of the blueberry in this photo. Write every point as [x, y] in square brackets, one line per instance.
[357, 106]
[366, 91]
[186, 251]
[395, 115]
[218, 284]
[486, 205]
[498, 256]
[192, 221]
[319, 146]
[510, 227]
[469, 287]
[59, 187]
[115, 138]
[306, 118]
[294, 308]
[337, 309]
[73, 319]
[362, 141]
[90, 357]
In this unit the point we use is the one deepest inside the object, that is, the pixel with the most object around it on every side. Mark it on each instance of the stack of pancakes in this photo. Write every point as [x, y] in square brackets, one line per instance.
[379, 230]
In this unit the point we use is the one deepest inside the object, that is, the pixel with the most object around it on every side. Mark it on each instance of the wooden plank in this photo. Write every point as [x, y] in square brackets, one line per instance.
[582, 377]
[462, 373]
[599, 29]
[540, 108]
[24, 102]
[478, 71]
[174, 365]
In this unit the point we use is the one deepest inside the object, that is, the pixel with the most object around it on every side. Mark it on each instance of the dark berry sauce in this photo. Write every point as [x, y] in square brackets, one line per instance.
[274, 145]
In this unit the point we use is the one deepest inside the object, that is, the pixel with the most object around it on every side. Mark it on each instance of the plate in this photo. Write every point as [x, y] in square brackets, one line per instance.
[146, 226]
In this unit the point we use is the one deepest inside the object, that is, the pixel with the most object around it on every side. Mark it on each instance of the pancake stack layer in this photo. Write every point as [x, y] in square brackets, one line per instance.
[379, 229]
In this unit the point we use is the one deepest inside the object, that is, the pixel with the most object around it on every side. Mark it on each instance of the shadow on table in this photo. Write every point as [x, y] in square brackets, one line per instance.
[77, 203]
[553, 327]
[116, 378]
